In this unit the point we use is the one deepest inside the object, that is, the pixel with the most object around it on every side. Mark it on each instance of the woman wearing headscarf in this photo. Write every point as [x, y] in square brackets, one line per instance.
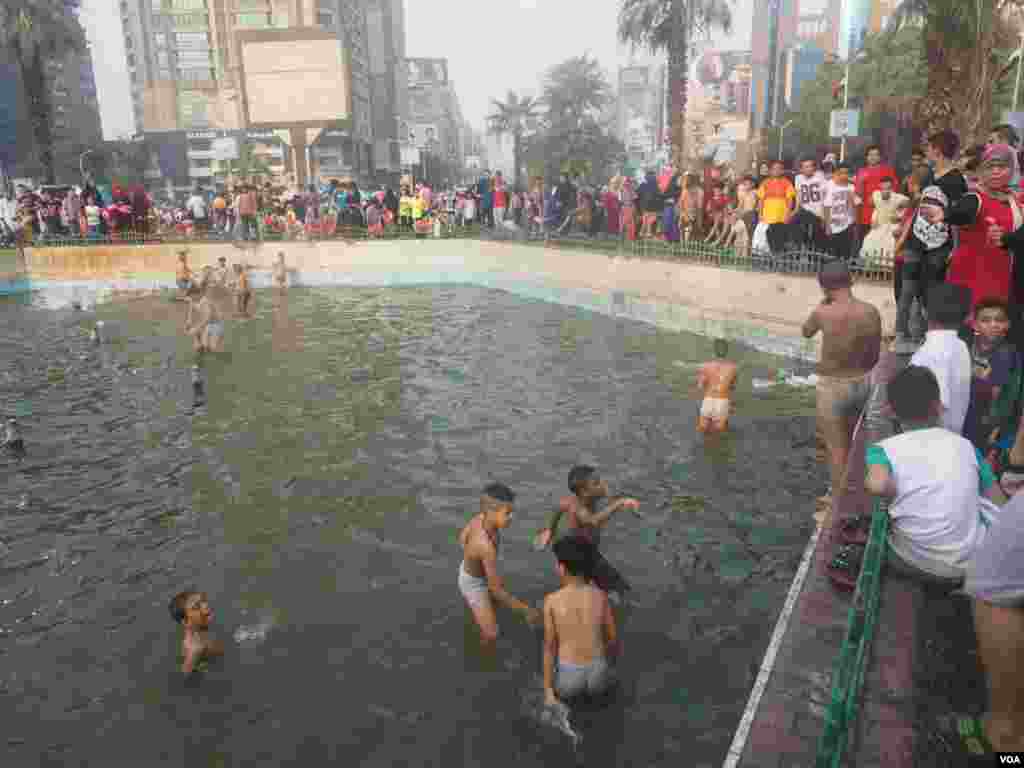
[978, 263]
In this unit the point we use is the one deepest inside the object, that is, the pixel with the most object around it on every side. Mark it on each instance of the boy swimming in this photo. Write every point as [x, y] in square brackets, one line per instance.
[191, 609]
[579, 628]
[203, 322]
[478, 573]
[584, 521]
[716, 379]
[243, 293]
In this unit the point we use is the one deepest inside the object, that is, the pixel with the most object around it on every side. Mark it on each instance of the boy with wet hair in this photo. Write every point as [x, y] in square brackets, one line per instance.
[716, 380]
[942, 489]
[203, 322]
[479, 581]
[191, 610]
[579, 628]
[584, 521]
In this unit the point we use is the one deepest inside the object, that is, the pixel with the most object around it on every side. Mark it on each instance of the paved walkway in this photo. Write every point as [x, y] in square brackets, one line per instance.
[789, 721]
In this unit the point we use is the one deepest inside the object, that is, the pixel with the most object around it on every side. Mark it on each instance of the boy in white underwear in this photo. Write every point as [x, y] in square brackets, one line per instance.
[716, 380]
[478, 573]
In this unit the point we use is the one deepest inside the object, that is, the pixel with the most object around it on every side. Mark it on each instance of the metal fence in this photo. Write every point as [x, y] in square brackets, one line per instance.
[789, 261]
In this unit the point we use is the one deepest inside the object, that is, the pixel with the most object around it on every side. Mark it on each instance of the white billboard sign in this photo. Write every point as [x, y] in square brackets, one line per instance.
[225, 148]
[844, 123]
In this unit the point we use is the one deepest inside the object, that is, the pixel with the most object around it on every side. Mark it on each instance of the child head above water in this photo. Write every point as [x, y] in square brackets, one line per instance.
[585, 483]
[496, 504]
[191, 609]
[914, 395]
[575, 557]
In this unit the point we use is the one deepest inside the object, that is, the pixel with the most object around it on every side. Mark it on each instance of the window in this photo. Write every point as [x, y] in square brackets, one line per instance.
[201, 162]
[131, 59]
[129, 44]
[201, 145]
[162, 60]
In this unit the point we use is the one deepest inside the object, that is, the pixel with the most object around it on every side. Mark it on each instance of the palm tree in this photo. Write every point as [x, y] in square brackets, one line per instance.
[667, 26]
[248, 164]
[513, 116]
[35, 32]
[965, 55]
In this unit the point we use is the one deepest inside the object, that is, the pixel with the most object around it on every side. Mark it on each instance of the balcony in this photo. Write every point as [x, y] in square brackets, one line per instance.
[200, 154]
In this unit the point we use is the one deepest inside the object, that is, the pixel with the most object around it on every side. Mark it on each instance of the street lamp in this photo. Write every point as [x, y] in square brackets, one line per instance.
[782, 136]
[81, 162]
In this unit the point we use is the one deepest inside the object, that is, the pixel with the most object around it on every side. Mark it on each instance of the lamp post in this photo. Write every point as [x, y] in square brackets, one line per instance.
[81, 162]
[1020, 61]
[782, 136]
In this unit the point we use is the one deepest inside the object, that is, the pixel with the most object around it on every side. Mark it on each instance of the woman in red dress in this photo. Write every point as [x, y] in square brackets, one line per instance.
[611, 206]
[978, 264]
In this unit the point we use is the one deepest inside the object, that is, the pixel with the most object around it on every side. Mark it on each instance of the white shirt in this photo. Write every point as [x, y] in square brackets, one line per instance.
[197, 207]
[939, 516]
[840, 200]
[810, 193]
[946, 355]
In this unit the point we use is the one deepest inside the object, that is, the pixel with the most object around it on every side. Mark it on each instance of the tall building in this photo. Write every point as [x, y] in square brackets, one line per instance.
[774, 30]
[184, 64]
[385, 27]
[69, 86]
[435, 122]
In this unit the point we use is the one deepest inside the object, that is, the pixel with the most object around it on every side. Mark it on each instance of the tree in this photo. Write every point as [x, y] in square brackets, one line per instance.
[513, 116]
[666, 26]
[36, 31]
[248, 164]
[966, 55]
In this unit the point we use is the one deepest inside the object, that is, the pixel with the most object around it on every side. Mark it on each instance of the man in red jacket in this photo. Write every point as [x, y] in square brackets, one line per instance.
[867, 182]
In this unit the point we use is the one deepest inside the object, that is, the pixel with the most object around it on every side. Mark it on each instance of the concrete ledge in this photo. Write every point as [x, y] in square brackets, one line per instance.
[761, 309]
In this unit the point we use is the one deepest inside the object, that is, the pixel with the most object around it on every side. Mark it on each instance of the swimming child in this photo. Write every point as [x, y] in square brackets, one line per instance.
[203, 322]
[191, 609]
[280, 272]
[220, 274]
[243, 293]
[584, 521]
[716, 379]
[479, 581]
[579, 628]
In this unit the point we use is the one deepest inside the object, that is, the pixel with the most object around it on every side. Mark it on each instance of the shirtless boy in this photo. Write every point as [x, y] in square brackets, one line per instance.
[220, 274]
[716, 380]
[479, 581]
[280, 273]
[851, 340]
[584, 521]
[203, 322]
[192, 610]
[579, 628]
[243, 293]
[183, 275]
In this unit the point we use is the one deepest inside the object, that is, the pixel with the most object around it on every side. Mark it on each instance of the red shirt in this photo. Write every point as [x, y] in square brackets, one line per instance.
[868, 181]
[500, 196]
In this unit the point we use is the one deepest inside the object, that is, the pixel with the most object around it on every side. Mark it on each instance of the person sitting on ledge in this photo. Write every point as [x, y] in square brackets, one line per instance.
[936, 480]
[995, 582]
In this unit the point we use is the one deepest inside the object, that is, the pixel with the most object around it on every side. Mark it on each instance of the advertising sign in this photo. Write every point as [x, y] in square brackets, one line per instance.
[844, 123]
[225, 148]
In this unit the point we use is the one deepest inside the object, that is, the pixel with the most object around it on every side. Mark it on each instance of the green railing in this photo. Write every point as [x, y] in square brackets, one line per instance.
[848, 670]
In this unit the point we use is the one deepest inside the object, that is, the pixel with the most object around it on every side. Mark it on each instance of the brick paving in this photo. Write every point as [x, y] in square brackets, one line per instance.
[789, 721]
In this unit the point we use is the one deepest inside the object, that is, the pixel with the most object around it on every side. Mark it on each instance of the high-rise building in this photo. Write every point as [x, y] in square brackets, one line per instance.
[69, 88]
[774, 30]
[435, 123]
[184, 65]
[385, 28]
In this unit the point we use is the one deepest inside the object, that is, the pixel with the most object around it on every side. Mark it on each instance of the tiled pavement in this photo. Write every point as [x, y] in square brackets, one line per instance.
[789, 721]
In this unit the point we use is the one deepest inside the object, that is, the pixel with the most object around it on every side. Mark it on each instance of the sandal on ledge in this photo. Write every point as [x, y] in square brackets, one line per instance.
[965, 735]
[844, 568]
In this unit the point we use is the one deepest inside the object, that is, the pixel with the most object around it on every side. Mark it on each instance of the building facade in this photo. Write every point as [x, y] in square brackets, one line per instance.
[434, 126]
[385, 26]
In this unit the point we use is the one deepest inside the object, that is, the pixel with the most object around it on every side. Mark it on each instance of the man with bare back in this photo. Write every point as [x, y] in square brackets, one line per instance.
[716, 379]
[851, 342]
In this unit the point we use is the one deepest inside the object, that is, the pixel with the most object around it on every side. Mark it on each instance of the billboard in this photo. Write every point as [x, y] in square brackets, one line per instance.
[422, 71]
[294, 78]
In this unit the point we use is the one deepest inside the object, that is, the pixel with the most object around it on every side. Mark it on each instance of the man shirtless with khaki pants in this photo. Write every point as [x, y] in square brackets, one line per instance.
[716, 380]
[851, 342]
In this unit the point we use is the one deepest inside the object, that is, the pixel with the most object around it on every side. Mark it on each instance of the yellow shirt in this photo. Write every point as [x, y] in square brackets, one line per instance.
[417, 208]
[776, 195]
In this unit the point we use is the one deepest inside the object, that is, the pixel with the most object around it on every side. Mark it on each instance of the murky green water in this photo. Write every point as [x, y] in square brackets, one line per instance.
[318, 495]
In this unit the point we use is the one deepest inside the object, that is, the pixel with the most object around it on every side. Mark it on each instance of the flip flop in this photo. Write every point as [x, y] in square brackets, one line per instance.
[855, 530]
[966, 735]
[844, 568]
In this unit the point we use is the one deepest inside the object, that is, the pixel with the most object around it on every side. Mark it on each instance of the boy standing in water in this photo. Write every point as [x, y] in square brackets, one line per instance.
[716, 380]
[579, 628]
[479, 581]
[243, 293]
[585, 521]
[280, 273]
[191, 610]
[183, 275]
[203, 322]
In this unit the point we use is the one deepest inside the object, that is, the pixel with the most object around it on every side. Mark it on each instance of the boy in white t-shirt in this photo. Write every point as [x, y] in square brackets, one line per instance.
[945, 353]
[810, 188]
[839, 206]
[942, 489]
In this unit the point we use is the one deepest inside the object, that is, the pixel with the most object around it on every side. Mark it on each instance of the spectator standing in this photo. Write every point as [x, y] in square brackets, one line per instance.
[866, 183]
[649, 199]
[839, 207]
[945, 353]
[810, 188]
[196, 206]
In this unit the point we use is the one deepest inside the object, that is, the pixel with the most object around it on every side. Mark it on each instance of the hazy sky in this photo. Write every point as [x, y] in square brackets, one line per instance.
[491, 46]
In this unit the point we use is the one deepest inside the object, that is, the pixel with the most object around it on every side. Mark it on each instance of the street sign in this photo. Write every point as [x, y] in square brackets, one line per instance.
[844, 123]
[225, 148]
